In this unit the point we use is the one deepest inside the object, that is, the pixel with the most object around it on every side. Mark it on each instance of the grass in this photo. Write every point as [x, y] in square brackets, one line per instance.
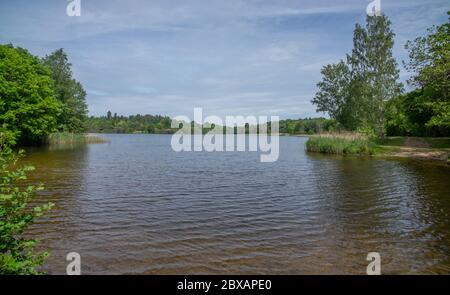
[73, 138]
[420, 148]
[394, 141]
[439, 142]
[341, 144]
[431, 142]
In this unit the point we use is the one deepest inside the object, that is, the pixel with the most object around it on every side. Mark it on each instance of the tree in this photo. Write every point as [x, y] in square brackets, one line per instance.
[429, 61]
[17, 255]
[333, 94]
[374, 70]
[355, 93]
[358, 98]
[27, 99]
[383, 72]
[69, 92]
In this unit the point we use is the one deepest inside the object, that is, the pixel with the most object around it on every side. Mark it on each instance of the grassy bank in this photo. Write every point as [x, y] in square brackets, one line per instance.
[341, 144]
[73, 138]
[431, 149]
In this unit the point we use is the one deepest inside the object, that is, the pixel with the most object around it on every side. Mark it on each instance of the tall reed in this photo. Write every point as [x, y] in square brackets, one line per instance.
[73, 138]
[349, 143]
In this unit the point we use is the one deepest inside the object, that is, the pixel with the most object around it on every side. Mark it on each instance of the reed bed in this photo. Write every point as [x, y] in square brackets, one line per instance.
[348, 143]
[74, 138]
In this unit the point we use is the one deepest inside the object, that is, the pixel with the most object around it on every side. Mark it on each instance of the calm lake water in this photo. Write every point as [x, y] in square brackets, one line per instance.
[134, 206]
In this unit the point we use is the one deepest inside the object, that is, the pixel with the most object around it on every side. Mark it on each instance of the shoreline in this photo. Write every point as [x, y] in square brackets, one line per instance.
[424, 149]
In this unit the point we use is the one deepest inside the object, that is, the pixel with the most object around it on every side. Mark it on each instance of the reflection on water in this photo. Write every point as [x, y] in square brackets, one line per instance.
[135, 206]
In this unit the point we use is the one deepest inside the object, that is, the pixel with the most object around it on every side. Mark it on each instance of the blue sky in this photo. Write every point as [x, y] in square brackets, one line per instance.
[230, 57]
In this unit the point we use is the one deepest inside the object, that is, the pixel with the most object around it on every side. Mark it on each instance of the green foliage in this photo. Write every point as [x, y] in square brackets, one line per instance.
[27, 99]
[416, 114]
[381, 70]
[333, 94]
[430, 61]
[17, 255]
[429, 105]
[341, 144]
[69, 92]
[397, 119]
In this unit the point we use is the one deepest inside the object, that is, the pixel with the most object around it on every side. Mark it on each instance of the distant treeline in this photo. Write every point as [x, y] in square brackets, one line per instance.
[38, 96]
[156, 124]
[129, 124]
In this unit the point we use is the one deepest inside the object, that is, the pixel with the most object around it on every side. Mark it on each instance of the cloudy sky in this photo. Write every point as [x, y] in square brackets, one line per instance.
[229, 57]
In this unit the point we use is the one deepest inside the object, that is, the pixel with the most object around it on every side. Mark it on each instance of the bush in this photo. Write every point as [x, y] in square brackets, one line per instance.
[17, 255]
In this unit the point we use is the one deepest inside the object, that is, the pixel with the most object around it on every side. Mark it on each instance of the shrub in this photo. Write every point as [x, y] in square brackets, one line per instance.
[17, 255]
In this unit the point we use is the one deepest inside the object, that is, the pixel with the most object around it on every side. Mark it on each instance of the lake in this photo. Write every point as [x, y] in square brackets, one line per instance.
[134, 206]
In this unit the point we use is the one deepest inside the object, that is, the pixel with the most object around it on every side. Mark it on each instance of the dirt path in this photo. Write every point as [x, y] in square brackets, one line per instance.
[418, 148]
[420, 153]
